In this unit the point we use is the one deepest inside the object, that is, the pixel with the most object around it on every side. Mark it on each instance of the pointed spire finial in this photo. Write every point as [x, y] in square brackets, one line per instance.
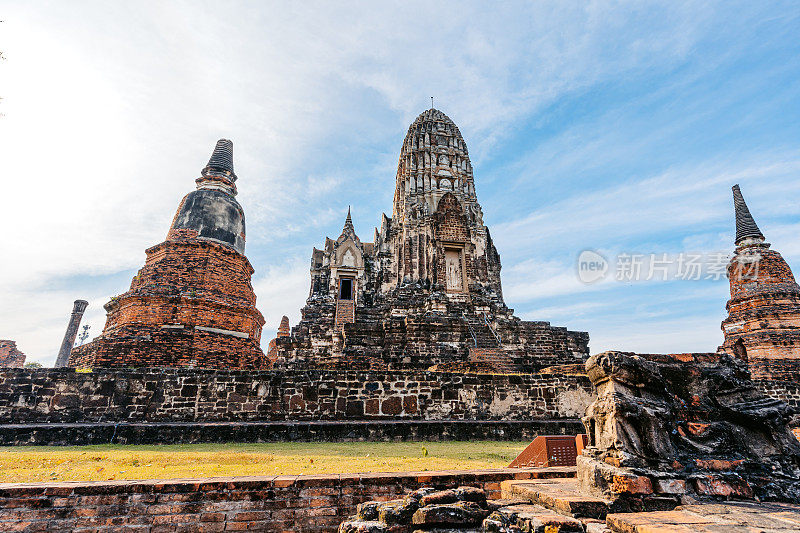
[221, 160]
[348, 228]
[348, 223]
[431, 102]
[746, 227]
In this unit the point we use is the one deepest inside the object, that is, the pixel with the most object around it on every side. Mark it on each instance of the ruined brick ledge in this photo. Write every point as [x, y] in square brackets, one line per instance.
[267, 503]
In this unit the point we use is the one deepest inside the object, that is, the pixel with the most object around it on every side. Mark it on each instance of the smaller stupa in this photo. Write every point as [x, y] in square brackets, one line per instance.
[192, 304]
[763, 324]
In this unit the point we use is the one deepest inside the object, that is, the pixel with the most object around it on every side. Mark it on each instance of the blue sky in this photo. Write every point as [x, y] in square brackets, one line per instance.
[615, 127]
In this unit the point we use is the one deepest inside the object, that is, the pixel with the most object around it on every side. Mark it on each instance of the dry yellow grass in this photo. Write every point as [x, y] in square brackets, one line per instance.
[106, 462]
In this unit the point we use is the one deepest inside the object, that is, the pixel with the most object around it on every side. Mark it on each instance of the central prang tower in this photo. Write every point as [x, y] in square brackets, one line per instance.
[426, 293]
[437, 237]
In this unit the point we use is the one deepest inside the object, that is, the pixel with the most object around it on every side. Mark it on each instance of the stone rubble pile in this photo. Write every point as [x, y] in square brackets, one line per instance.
[425, 509]
[465, 510]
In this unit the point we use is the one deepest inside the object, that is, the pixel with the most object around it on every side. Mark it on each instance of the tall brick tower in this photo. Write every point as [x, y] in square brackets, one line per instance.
[192, 303]
[438, 232]
[763, 324]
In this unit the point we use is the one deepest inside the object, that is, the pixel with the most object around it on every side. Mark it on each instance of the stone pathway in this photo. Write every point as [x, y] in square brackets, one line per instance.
[730, 517]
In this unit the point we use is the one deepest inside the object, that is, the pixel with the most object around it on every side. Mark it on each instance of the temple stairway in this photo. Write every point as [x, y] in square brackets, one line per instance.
[486, 346]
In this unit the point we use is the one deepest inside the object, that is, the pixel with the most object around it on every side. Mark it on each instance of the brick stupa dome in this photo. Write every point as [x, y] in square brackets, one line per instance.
[211, 212]
[192, 304]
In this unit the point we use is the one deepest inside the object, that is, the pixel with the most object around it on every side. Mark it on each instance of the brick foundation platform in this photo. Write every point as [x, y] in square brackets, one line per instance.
[190, 305]
[192, 395]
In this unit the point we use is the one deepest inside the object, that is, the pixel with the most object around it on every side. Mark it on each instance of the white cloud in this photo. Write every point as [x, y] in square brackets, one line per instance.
[679, 335]
[677, 199]
[282, 290]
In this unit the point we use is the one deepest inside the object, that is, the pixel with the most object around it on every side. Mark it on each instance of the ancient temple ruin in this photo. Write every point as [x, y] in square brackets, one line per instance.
[426, 292]
[192, 304]
[676, 443]
[10, 356]
[763, 323]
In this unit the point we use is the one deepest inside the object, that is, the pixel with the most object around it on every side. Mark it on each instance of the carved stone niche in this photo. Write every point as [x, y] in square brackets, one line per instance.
[668, 427]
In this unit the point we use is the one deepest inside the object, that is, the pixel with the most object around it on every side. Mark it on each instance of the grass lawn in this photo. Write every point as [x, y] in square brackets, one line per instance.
[81, 463]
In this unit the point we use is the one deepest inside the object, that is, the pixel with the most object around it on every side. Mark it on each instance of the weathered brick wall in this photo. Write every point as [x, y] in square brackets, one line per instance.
[182, 286]
[269, 503]
[10, 356]
[165, 394]
[788, 391]
[763, 323]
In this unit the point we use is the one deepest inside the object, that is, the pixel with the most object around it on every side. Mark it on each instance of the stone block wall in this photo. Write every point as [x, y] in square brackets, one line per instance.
[186, 395]
[269, 503]
[787, 391]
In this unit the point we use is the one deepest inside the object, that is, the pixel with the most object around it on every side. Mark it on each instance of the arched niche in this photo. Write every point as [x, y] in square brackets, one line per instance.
[349, 256]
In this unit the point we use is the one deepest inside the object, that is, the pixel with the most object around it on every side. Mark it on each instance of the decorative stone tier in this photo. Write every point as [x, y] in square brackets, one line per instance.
[190, 395]
[412, 330]
[191, 305]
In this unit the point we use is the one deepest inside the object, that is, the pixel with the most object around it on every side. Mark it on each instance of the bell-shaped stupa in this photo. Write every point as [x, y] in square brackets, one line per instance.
[192, 304]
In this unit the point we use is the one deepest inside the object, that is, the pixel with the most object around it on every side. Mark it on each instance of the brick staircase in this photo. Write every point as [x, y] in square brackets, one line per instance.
[547, 505]
[345, 312]
[486, 346]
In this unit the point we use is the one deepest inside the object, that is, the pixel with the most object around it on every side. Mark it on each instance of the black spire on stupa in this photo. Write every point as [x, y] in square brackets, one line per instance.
[221, 160]
[348, 228]
[746, 227]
